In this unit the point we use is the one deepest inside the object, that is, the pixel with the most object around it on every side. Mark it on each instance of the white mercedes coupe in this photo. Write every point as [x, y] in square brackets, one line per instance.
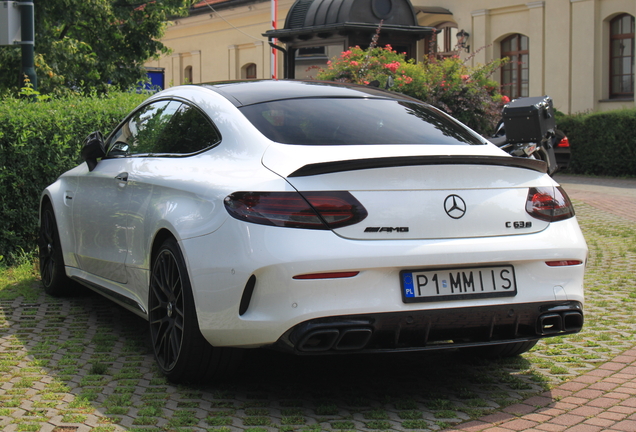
[315, 218]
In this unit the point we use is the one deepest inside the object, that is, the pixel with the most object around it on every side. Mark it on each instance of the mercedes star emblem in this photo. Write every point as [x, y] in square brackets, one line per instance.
[455, 206]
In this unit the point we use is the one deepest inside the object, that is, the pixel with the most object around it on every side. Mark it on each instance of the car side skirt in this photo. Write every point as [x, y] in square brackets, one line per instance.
[122, 300]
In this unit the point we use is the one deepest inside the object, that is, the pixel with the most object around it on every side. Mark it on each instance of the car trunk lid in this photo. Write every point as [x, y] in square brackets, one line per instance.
[416, 193]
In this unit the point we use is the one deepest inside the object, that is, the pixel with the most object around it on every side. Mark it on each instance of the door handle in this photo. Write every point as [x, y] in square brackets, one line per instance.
[122, 179]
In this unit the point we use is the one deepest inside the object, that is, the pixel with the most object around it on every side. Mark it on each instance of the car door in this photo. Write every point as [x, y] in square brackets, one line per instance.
[101, 204]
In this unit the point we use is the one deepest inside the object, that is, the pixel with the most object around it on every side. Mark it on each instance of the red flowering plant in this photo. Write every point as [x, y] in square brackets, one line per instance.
[467, 93]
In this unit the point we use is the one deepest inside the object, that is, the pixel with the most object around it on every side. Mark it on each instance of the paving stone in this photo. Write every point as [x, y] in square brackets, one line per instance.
[596, 396]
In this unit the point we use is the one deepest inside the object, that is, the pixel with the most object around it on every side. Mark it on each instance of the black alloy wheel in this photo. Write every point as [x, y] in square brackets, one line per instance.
[182, 353]
[167, 309]
[50, 256]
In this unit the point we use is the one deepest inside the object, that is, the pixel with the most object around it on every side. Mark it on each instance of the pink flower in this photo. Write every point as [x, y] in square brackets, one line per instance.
[505, 99]
[345, 54]
[354, 63]
[465, 77]
[393, 67]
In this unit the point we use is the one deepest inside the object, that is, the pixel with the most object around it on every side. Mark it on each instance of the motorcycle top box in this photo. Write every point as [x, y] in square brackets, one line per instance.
[528, 119]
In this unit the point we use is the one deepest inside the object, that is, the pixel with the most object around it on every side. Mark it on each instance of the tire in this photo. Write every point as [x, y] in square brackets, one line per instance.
[181, 352]
[504, 350]
[52, 272]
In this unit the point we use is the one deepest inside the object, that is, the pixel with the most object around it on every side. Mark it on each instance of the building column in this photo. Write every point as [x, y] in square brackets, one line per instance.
[537, 48]
[480, 37]
[583, 49]
[175, 70]
[232, 60]
[196, 66]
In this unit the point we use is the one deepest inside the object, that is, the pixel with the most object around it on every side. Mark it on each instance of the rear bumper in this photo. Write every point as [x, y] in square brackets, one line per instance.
[246, 295]
[433, 329]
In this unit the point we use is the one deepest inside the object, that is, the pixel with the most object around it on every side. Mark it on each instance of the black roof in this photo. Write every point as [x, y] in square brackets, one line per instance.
[326, 17]
[242, 93]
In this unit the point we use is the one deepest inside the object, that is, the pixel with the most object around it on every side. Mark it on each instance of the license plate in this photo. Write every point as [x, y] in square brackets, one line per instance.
[458, 284]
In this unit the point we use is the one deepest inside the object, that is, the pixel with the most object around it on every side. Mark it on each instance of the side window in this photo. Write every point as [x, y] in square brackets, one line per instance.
[142, 131]
[164, 127]
[189, 131]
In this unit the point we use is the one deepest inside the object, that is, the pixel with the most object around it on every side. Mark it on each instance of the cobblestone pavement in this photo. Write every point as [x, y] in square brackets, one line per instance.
[83, 364]
[617, 196]
[603, 399]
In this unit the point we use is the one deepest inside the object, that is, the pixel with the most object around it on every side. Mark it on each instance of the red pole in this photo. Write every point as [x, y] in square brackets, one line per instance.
[274, 59]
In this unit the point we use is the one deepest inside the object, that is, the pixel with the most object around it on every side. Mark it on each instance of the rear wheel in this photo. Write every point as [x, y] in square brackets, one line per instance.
[182, 353]
[50, 256]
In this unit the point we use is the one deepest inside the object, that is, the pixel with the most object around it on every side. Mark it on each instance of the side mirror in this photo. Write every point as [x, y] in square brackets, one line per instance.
[93, 149]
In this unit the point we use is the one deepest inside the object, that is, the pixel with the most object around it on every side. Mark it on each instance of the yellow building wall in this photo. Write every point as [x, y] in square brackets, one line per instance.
[569, 43]
[220, 44]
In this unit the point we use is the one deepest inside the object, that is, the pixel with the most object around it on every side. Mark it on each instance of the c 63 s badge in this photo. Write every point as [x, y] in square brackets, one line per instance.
[519, 224]
[386, 229]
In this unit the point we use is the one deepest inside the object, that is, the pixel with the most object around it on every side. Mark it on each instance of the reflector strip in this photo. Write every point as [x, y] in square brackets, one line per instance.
[333, 275]
[563, 263]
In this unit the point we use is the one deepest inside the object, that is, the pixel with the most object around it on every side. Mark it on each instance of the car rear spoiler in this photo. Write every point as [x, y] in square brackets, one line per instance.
[390, 162]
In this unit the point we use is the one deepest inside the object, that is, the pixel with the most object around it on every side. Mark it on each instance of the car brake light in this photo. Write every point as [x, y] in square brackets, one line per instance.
[311, 210]
[549, 204]
[565, 142]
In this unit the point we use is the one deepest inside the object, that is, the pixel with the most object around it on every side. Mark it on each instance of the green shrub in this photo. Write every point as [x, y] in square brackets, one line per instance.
[467, 93]
[38, 142]
[603, 143]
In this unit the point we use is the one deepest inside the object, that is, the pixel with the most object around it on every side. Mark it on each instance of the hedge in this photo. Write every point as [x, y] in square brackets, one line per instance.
[41, 140]
[38, 142]
[602, 144]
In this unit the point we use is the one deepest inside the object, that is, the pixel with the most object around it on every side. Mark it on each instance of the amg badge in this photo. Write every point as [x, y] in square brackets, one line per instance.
[387, 229]
[519, 224]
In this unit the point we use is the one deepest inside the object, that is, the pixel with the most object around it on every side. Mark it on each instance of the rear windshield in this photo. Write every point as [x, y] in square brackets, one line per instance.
[334, 121]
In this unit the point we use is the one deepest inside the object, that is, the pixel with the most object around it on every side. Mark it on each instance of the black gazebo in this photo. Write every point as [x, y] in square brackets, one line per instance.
[311, 24]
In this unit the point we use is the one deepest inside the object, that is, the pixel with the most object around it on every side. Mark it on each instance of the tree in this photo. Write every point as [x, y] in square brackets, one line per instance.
[92, 44]
[467, 93]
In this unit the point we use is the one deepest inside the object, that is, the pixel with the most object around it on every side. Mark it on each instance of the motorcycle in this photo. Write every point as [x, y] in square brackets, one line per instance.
[528, 129]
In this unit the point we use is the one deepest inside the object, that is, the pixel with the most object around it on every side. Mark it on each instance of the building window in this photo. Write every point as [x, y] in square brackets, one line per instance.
[318, 51]
[514, 75]
[187, 75]
[622, 57]
[444, 43]
[249, 71]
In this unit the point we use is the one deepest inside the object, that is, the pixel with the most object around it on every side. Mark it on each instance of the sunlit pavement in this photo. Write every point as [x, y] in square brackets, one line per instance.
[617, 196]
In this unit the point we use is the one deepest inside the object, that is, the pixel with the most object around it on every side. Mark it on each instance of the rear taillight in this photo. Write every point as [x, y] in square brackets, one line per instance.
[549, 204]
[311, 210]
[564, 143]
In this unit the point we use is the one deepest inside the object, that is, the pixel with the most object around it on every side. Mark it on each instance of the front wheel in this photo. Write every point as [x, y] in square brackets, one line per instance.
[182, 353]
[52, 272]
